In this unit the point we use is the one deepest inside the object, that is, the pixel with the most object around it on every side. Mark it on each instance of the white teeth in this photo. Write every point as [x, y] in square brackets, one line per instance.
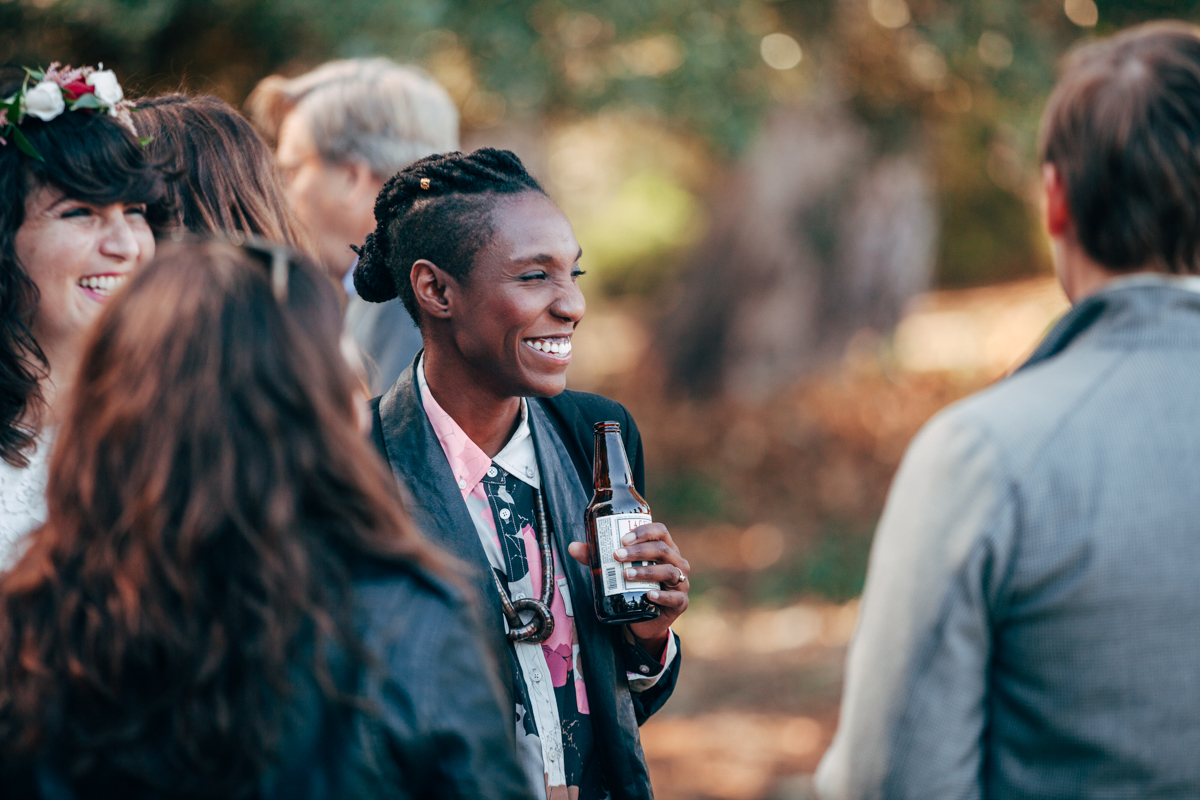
[102, 284]
[548, 346]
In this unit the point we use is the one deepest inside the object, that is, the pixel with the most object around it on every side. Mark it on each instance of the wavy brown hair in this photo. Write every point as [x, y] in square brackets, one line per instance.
[210, 495]
[89, 157]
[228, 179]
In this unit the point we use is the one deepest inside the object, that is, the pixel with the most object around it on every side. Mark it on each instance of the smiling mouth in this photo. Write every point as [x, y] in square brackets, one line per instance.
[553, 346]
[102, 285]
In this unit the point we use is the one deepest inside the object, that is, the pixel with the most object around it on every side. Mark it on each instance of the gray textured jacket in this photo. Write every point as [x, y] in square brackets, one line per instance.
[386, 334]
[1031, 620]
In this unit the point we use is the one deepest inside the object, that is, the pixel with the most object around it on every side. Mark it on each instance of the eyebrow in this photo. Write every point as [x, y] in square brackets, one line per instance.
[62, 198]
[545, 258]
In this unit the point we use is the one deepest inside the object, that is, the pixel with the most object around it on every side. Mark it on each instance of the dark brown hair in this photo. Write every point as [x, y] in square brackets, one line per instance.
[1123, 130]
[88, 157]
[228, 177]
[208, 494]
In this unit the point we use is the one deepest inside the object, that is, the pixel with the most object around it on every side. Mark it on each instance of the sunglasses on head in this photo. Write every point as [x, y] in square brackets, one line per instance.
[276, 257]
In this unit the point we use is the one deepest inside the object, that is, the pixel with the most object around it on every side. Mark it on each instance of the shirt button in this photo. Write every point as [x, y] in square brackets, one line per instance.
[537, 676]
[491, 472]
[462, 484]
[529, 472]
[553, 756]
[505, 513]
[644, 669]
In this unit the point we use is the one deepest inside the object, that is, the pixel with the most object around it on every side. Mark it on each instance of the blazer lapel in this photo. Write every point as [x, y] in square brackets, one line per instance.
[419, 463]
[566, 502]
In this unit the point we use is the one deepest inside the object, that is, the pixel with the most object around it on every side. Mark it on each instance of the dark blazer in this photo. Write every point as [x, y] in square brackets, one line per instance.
[562, 431]
[434, 727]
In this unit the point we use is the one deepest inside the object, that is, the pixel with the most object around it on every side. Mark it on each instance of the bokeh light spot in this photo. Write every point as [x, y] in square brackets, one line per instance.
[928, 66]
[1083, 13]
[995, 50]
[780, 51]
[890, 13]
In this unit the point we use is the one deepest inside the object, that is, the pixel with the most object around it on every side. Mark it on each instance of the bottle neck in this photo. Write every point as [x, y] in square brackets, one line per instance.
[611, 463]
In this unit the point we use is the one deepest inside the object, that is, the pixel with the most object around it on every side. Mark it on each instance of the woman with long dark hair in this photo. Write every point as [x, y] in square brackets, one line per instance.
[498, 458]
[227, 599]
[75, 221]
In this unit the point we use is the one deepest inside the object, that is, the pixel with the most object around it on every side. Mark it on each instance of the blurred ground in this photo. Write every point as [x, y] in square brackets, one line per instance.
[774, 504]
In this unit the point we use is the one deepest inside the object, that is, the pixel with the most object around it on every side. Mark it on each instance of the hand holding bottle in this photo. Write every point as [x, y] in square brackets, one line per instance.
[651, 542]
[639, 578]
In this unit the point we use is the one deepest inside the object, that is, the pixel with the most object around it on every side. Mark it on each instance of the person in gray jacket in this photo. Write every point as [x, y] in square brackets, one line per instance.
[1030, 625]
[342, 130]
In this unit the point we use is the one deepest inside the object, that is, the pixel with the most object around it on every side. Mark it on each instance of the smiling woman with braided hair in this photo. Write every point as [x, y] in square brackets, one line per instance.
[480, 428]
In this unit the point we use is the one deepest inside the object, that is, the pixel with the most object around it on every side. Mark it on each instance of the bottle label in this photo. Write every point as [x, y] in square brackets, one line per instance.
[609, 531]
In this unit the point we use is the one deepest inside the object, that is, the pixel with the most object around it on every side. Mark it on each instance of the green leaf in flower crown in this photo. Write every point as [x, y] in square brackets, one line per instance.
[23, 144]
[88, 100]
[36, 74]
[145, 140]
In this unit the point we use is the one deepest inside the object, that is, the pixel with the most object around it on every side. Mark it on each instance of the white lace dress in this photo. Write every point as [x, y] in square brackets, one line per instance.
[22, 502]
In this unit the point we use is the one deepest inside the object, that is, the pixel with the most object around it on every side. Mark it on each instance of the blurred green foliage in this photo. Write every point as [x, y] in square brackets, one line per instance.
[965, 77]
[834, 569]
[688, 498]
[691, 61]
[646, 224]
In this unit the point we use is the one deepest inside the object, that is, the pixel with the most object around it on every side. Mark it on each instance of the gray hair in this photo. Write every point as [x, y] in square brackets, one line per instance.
[371, 110]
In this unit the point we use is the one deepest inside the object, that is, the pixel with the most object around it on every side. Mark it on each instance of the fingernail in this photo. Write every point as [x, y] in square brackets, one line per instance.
[629, 538]
[621, 553]
[631, 573]
[653, 595]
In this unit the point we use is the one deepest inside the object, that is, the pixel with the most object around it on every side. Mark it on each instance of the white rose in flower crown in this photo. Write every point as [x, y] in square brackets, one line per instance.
[107, 89]
[45, 101]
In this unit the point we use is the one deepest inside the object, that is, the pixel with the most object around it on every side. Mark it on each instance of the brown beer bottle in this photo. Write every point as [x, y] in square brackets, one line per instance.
[616, 509]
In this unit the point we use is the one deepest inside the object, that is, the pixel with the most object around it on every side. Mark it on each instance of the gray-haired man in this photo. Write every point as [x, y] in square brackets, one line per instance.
[342, 131]
[1030, 626]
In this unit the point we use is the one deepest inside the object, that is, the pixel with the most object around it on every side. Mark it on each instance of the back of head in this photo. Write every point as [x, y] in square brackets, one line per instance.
[227, 180]
[1123, 130]
[439, 209]
[87, 156]
[208, 493]
[369, 110]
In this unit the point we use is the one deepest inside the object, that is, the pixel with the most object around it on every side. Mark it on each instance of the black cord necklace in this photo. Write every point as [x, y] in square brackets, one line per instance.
[539, 628]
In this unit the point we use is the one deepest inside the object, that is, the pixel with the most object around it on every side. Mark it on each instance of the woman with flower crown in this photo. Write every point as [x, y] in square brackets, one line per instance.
[76, 185]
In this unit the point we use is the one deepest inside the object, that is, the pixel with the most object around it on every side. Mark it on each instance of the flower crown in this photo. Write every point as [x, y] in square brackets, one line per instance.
[47, 94]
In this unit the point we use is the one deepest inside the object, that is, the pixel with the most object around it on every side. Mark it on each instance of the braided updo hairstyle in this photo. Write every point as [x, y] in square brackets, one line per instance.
[439, 209]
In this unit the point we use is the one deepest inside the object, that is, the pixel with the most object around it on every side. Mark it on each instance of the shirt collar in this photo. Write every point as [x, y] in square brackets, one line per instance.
[467, 460]
[1189, 282]
[519, 457]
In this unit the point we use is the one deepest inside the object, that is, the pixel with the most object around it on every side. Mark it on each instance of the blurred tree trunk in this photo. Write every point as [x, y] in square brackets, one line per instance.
[818, 233]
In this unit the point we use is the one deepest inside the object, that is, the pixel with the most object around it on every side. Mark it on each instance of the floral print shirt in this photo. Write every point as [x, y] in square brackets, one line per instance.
[554, 732]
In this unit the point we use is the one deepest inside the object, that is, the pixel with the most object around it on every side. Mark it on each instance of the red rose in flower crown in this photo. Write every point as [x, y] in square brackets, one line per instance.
[46, 94]
[77, 89]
